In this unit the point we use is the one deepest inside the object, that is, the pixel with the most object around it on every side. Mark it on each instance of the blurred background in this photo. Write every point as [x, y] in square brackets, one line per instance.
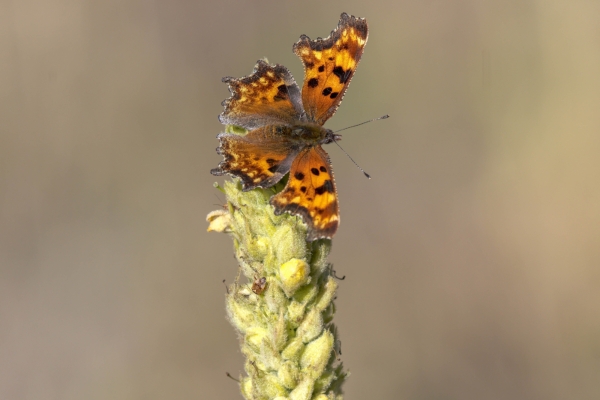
[471, 258]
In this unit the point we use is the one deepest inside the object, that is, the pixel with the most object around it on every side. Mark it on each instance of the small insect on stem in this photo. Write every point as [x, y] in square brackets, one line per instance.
[259, 285]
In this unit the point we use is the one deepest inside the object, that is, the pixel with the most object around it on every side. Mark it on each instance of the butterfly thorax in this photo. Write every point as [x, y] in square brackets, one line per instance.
[312, 134]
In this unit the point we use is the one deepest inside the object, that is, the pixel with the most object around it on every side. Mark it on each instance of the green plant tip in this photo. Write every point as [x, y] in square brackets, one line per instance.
[284, 324]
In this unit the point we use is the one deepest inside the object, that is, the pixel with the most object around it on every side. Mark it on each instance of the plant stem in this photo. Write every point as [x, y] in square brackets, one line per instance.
[283, 310]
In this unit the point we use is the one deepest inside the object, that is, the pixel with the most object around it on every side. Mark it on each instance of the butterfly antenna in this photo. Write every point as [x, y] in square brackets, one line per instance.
[362, 123]
[358, 166]
[354, 126]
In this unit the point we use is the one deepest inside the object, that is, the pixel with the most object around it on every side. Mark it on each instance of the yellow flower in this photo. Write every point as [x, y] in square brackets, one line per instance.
[293, 274]
[219, 221]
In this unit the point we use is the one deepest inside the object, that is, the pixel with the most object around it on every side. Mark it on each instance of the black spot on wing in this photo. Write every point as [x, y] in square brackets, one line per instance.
[314, 171]
[321, 68]
[326, 187]
[299, 176]
[313, 82]
[333, 95]
[282, 93]
[322, 168]
[341, 74]
[326, 91]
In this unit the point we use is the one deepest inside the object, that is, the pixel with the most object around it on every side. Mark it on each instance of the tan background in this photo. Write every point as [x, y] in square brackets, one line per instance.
[472, 256]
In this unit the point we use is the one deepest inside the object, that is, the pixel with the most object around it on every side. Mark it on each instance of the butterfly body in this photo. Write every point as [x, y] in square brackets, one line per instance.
[311, 134]
[285, 126]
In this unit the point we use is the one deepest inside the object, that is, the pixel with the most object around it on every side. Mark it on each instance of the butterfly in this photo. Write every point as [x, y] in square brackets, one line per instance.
[285, 126]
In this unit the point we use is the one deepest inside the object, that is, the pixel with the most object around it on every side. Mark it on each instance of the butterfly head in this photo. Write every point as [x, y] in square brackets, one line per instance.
[331, 137]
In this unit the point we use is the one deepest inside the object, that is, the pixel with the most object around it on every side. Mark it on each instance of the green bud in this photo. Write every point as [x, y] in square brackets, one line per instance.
[279, 333]
[255, 336]
[274, 298]
[240, 314]
[268, 386]
[238, 130]
[311, 326]
[303, 391]
[288, 243]
[289, 374]
[295, 313]
[293, 349]
[324, 381]
[317, 354]
[327, 295]
[306, 293]
[246, 387]
[269, 356]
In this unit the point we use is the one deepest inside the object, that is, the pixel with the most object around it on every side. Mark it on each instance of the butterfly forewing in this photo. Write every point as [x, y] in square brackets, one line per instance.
[268, 96]
[329, 65]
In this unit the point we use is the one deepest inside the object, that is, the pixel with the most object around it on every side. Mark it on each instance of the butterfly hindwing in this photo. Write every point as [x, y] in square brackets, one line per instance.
[310, 193]
[260, 158]
[268, 96]
[329, 65]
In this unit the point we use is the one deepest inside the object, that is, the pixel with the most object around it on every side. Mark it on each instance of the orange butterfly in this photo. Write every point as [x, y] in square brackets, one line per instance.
[286, 126]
